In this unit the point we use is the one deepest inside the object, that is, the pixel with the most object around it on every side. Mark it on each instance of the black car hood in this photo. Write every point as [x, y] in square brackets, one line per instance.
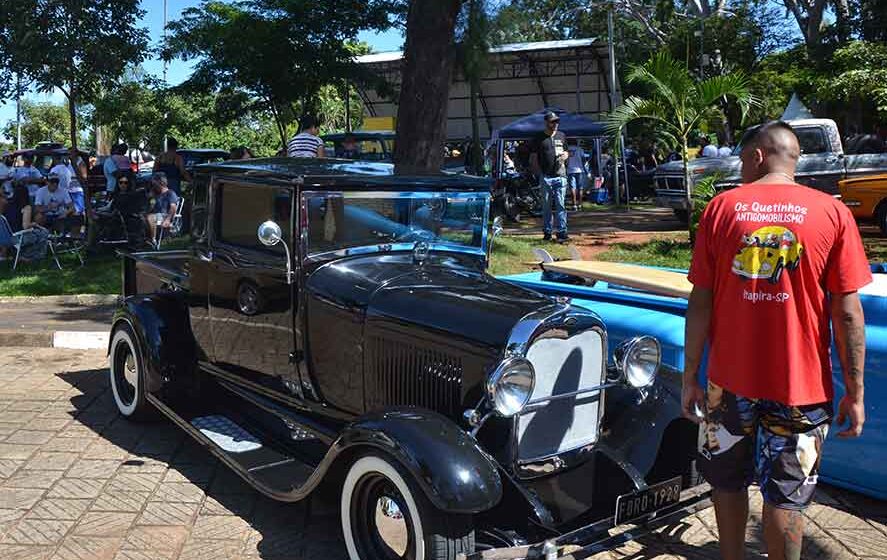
[449, 293]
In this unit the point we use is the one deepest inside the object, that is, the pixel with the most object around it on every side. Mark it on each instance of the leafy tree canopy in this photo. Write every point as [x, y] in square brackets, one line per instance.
[76, 46]
[41, 121]
[269, 55]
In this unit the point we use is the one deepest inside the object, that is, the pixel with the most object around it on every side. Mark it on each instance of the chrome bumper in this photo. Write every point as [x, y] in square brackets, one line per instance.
[601, 535]
[677, 202]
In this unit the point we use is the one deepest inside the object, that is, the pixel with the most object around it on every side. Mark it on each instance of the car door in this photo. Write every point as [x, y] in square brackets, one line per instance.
[250, 299]
[821, 165]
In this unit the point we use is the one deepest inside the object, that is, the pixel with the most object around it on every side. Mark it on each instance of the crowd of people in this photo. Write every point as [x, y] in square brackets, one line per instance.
[38, 207]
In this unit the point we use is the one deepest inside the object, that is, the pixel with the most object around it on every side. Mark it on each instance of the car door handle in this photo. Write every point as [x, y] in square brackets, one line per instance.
[205, 257]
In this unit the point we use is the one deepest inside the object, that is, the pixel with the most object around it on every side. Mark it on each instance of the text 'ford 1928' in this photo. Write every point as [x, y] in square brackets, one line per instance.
[332, 329]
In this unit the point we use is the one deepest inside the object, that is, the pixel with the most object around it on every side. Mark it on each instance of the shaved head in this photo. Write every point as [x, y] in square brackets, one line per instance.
[771, 149]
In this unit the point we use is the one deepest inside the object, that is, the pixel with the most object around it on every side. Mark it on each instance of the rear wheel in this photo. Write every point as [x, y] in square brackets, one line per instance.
[385, 517]
[127, 374]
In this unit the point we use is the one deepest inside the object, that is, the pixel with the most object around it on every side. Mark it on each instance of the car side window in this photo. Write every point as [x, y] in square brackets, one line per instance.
[812, 140]
[200, 192]
[240, 208]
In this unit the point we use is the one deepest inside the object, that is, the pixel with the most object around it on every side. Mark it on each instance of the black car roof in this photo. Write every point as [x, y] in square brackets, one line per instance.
[203, 151]
[327, 173]
[45, 152]
[362, 135]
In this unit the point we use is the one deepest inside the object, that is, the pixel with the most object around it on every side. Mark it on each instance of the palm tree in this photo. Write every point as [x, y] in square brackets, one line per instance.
[677, 103]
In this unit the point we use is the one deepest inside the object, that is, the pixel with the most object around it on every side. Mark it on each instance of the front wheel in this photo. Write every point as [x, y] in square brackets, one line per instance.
[127, 373]
[385, 517]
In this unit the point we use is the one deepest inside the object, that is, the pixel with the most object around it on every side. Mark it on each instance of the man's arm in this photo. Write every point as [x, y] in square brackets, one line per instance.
[696, 333]
[848, 324]
[321, 152]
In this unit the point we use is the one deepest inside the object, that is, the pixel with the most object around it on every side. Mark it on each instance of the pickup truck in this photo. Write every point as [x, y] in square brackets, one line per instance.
[333, 331]
[823, 163]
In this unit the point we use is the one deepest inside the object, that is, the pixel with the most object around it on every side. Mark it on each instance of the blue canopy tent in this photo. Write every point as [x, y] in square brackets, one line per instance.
[572, 125]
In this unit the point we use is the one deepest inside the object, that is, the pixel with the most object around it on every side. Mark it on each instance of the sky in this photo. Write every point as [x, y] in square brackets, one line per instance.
[179, 71]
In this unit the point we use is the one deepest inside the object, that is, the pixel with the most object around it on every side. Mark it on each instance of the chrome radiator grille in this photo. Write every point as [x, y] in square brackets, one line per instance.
[405, 374]
[563, 365]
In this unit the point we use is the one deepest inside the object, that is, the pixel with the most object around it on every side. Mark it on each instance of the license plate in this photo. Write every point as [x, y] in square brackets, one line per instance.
[644, 502]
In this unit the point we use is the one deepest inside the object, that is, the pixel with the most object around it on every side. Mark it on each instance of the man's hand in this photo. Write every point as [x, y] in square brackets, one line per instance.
[167, 223]
[692, 399]
[854, 409]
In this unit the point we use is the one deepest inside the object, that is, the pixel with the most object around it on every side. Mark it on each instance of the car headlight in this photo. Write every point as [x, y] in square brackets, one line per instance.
[737, 264]
[765, 266]
[511, 386]
[638, 360]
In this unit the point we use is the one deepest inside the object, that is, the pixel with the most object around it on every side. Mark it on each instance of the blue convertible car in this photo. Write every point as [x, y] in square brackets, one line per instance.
[857, 464]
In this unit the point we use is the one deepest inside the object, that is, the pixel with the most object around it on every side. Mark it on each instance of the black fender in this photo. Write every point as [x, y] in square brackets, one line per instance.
[162, 328]
[443, 458]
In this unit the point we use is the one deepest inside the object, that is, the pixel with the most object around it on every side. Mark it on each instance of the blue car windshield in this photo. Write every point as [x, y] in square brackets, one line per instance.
[360, 222]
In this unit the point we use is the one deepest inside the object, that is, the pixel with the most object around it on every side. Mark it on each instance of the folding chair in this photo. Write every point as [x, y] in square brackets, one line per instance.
[12, 239]
[175, 225]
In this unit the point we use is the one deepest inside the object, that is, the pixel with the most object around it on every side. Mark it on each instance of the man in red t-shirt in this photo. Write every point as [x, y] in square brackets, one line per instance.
[774, 263]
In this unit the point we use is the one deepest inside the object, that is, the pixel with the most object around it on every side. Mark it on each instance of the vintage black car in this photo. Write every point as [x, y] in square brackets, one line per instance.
[333, 329]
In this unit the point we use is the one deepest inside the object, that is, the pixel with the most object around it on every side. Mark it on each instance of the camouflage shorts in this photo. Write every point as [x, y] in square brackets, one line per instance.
[780, 446]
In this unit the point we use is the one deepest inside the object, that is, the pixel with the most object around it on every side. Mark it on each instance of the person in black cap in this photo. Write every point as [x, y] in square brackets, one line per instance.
[548, 155]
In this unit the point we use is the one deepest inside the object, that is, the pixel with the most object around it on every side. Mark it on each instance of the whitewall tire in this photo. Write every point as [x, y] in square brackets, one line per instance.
[385, 517]
[127, 374]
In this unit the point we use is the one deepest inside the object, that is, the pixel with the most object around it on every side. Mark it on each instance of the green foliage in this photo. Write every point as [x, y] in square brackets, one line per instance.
[273, 56]
[42, 121]
[73, 46]
[141, 113]
[676, 103]
[858, 71]
[703, 192]
[664, 252]
[100, 275]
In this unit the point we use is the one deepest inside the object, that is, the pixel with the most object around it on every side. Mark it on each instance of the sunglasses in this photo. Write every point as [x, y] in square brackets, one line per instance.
[123, 182]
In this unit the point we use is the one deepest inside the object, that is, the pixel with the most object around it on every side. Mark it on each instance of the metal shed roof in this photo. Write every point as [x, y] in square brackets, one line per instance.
[521, 79]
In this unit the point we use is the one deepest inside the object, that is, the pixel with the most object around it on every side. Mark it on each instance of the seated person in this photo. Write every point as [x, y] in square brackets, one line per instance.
[18, 212]
[165, 202]
[349, 148]
[28, 175]
[55, 209]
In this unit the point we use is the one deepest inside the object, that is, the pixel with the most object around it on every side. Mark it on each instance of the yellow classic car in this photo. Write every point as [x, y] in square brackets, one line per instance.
[766, 252]
[867, 198]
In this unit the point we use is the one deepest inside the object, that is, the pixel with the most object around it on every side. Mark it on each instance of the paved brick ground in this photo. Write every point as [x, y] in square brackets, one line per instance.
[78, 482]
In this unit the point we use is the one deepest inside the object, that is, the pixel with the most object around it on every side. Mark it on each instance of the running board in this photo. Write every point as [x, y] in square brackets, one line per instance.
[254, 455]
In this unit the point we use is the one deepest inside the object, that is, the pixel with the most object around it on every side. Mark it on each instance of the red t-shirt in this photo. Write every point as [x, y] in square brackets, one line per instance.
[771, 254]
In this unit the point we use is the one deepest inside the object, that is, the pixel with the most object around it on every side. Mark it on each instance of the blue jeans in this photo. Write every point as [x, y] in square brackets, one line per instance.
[553, 191]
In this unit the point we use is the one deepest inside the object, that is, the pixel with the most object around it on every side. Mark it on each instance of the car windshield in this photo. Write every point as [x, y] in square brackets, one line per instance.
[355, 222]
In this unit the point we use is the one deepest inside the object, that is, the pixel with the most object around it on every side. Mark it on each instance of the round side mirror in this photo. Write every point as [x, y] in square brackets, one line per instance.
[497, 225]
[269, 233]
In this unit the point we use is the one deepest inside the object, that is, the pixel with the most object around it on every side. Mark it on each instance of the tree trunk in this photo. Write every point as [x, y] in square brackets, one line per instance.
[842, 17]
[72, 110]
[429, 54]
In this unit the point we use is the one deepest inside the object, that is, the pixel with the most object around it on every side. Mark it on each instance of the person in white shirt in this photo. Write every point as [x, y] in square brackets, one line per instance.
[54, 205]
[61, 170]
[708, 149]
[726, 150]
[575, 171]
[28, 175]
[77, 173]
[306, 144]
